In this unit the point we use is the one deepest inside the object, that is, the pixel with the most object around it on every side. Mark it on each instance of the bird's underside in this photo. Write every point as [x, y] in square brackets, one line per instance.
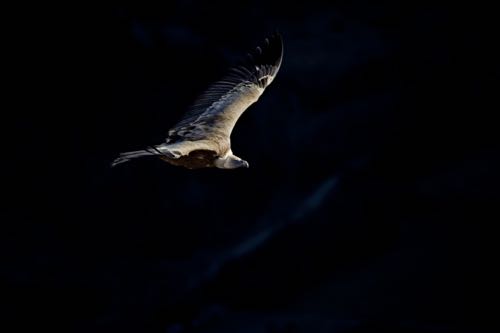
[202, 138]
[196, 159]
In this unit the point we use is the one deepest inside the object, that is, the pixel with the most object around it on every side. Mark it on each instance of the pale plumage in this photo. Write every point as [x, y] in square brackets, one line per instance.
[202, 137]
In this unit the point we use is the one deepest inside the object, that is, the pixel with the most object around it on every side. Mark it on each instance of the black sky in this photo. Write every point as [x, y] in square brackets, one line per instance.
[370, 204]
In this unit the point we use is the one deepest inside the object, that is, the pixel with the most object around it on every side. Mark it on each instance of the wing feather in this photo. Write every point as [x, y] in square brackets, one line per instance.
[214, 114]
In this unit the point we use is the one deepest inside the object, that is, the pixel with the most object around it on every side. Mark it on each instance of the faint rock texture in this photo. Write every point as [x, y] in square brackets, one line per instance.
[369, 205]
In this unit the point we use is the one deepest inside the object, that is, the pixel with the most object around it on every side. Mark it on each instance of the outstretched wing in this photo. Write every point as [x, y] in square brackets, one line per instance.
[214, 114]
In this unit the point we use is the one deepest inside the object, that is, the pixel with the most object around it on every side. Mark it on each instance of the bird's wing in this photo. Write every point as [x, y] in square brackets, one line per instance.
[213, 116]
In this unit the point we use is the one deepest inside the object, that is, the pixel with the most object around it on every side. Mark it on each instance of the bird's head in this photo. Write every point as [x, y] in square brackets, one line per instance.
[231, 162]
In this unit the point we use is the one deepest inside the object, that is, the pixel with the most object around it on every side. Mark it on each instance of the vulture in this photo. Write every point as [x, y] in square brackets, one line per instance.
[201, 139]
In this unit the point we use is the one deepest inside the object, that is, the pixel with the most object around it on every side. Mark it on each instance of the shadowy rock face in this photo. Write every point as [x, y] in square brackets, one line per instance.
[369, 205]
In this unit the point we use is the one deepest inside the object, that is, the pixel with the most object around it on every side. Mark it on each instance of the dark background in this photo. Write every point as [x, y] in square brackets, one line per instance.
[371, 200]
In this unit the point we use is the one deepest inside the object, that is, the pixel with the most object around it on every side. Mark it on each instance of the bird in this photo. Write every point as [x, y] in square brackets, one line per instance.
[201, 139]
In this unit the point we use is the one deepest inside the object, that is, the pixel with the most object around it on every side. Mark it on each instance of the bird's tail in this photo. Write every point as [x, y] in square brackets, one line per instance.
[125, 157]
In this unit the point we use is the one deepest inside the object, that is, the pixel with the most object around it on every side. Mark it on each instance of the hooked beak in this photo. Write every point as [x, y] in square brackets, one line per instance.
[246, 165]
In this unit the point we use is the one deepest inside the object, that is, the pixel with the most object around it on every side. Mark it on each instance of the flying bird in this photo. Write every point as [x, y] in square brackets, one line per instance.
[201, 139]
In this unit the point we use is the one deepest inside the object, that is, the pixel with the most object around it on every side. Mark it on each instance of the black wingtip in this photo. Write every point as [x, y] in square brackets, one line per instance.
[277, 34]
[278, 37]
[269, 52]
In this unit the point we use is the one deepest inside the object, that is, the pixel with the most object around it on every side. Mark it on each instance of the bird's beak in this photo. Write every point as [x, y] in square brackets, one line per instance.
[246, 164]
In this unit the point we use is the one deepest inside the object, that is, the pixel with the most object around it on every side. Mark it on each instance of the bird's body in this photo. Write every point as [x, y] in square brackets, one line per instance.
[202, 138]
[196, 159]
